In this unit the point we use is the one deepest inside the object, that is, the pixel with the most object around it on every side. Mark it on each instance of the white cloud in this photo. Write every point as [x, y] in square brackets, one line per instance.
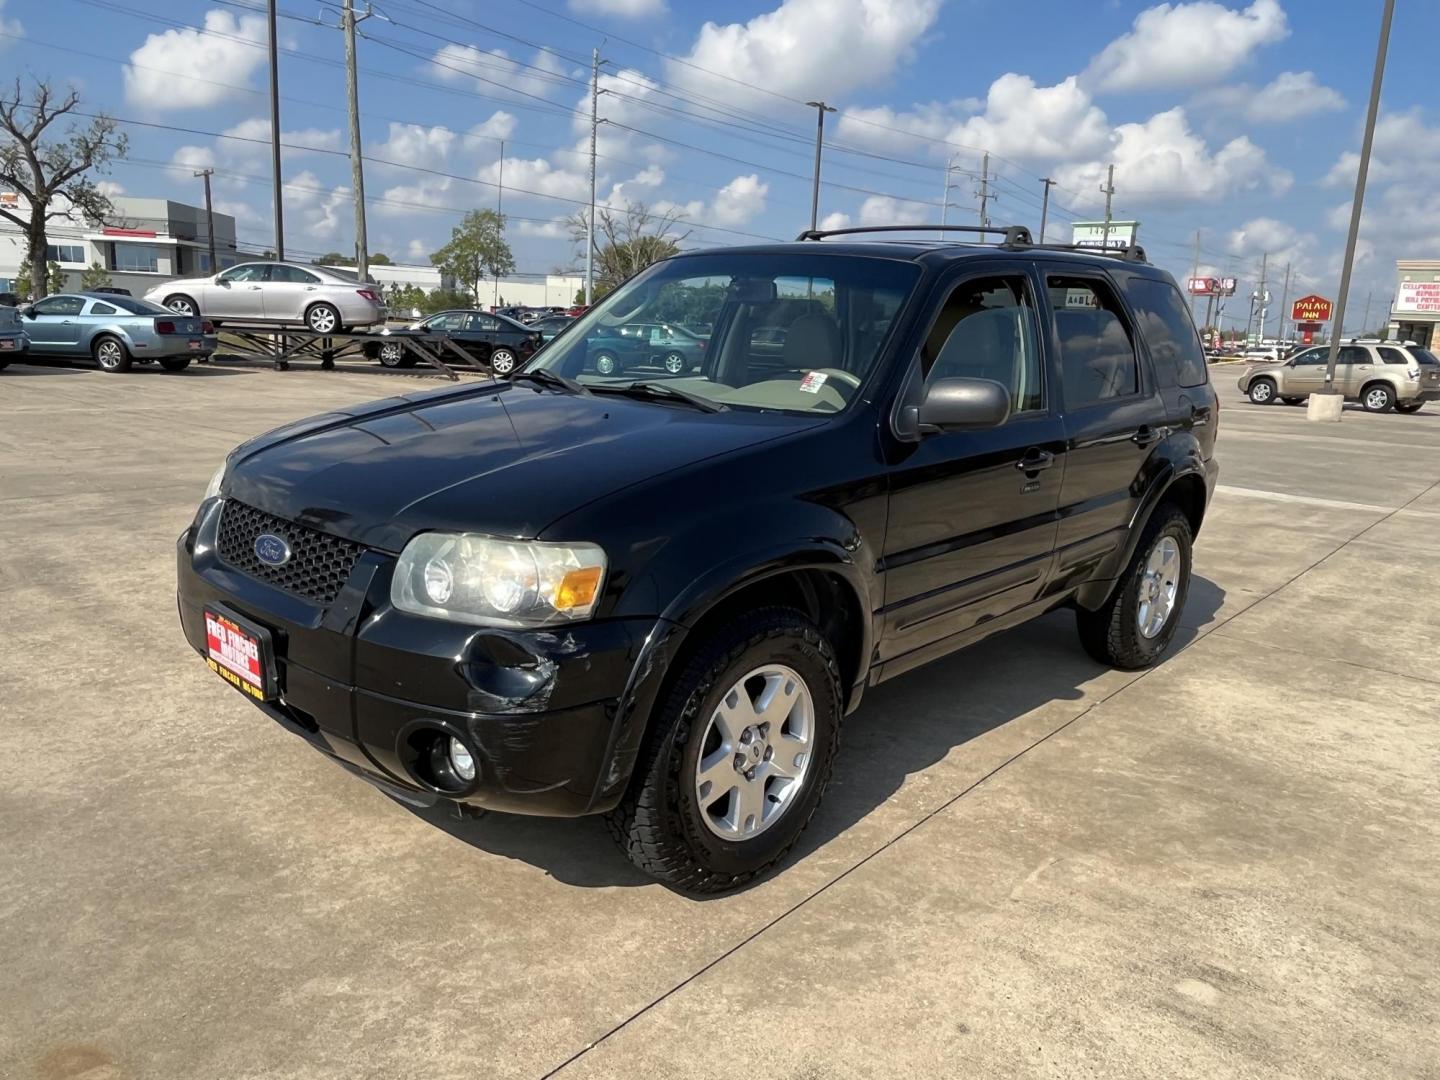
[417, 145]
[538, 177]
[250, 140]
[183, 69]
[405, 200]
[498, 73]
[110, 189]
[418, 251]
[650, 177]
[556, 229]
[1023, 120]
[1186, 44]
[1403, 144]
[885, 210]
[837, 220]
[739, 201]
[189, 159]
[1163, 161]
[1261, 234]
[629, 9]
[1289, 96]
[808, 48]
[9, 26]
[501, 125]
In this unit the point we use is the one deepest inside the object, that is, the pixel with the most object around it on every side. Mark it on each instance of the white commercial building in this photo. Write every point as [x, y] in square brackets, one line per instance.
[1416, 311]
[145, 242]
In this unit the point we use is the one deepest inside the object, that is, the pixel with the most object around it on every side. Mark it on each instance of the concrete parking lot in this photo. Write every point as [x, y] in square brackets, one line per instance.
[1026, 866]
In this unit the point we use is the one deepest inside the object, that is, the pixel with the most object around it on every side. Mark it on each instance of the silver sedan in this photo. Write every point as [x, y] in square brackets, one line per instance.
[323, 299]
[115, 331]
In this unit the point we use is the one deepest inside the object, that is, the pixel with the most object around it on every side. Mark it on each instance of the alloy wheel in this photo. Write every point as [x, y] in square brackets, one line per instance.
[1159, 585]
[322, 320]
[674, 363]
[391, 353]
[755, 753]
[181, 306]
[605, 364]
[502, 360]
[1376, 400]
[109, 353]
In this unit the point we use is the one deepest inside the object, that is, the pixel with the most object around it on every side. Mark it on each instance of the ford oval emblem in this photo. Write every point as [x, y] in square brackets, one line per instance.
[272, 550]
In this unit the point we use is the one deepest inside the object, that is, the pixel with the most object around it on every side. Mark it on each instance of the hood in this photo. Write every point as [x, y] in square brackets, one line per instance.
[501, 458]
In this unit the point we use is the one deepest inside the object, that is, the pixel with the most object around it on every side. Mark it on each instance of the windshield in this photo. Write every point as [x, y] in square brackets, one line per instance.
[783, 332]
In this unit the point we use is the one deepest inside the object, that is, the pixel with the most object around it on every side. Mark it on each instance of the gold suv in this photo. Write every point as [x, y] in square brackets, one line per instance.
[1380, 375]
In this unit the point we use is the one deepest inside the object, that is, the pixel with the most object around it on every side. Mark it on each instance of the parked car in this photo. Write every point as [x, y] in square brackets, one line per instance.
[639, 344]
[1381, 377]
[566, 593]
[322, 299]
[116, 331]
[14, 343]
[551, 325]
[10, 299]
[492, 339]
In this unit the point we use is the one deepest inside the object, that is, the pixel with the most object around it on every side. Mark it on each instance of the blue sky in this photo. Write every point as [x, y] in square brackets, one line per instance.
[1232, 118]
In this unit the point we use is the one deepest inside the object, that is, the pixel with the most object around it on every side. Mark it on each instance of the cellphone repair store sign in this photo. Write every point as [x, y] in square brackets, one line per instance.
[1418, 296]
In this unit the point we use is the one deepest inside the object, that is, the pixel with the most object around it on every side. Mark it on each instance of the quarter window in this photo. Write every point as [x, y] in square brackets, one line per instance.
[99, 308]
[1393, 356]
[1168, 330]
[1096, 353]
[987, 330]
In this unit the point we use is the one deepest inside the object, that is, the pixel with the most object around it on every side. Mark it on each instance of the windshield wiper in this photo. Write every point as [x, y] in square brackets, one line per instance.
[654, 390]
[545, 377]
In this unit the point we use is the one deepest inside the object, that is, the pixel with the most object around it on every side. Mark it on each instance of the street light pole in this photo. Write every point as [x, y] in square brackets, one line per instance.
[275, 135]
[1328, 405]
[821, 109]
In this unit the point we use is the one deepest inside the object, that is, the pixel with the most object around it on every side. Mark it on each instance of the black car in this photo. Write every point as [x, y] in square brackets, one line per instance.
[492, 339]
[646, 344]
[566, 593]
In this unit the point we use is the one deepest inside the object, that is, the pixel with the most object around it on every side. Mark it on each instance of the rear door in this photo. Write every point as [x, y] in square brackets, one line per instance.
[973, 513]
[1114, 415]
[289, 292]
[1354, 369]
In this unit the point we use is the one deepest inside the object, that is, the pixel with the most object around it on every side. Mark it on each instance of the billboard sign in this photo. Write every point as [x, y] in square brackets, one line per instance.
[1418, 296]
[1093, 233]
[1228, 285]
[1212, 286]
[1311, 309]
[9, 200]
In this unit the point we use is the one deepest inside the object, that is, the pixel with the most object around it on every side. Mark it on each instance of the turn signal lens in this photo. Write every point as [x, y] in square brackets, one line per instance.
[578, 588]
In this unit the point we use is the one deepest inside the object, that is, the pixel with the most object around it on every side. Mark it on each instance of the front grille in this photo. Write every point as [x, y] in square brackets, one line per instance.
[319, 564]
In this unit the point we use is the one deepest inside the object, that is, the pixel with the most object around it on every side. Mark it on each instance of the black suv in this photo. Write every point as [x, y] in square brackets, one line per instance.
[568, 593]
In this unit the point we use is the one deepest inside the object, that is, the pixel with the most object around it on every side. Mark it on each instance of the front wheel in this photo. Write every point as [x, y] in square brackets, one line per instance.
[1134, 627]
[323, 319]
[675, 363]
[1409, 406]
[112, 356]
[502, 361]
[1378, 398]
[1262, 391]
[738, 756]
[605, 363]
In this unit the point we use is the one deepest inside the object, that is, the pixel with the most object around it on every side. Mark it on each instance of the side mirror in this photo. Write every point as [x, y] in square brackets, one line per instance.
[223, 281]
[28, 311]
[962, 403]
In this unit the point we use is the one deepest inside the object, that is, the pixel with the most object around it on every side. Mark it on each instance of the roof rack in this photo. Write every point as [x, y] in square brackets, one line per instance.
[1014, 234]
[1131, 252]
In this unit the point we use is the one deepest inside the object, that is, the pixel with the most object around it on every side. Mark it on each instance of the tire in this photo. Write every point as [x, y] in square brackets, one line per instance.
[394, 355]
[684, 838]
[110, 353]
[174, 363]
[1114, 634]
[675, 363]
[502, 361]
[606, 364]
[1409, 407]
[1262, 391]
[1377, 397]
[323, 319]
[1289, 400]
[4, 364]
[182, 304]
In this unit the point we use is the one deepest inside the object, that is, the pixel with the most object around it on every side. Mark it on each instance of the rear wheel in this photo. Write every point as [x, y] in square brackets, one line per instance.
[675, 363]
[502, 361]
[1262, 391]
[174, 363]
[110, 353]
[1409, 406]
[1377, 397]
[605, 363]
[323, 319]
[1289, 399]
[738, 756]
[1135, 625]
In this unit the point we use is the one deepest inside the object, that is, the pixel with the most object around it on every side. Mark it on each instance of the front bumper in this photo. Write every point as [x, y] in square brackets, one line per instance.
[553, 717]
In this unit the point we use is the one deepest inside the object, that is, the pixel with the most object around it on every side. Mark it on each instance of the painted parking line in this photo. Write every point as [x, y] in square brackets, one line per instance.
[1357, 441]
[1304, 500]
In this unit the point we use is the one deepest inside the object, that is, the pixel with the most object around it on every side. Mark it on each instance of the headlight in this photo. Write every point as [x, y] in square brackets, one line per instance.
[480, 579]
[212, 489]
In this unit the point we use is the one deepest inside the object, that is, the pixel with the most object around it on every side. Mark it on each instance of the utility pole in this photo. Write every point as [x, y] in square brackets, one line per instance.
[1109, 192]
[1257, 302]
[1365, 323]
[275, 135]
[1284, 300]
[984, 192]
[945, 201]
[205, 174]
[820, 110]
[1332, 407]
[348, 19]
[499, 210]
[595, 63]
[1194, 272]
[1045, 204]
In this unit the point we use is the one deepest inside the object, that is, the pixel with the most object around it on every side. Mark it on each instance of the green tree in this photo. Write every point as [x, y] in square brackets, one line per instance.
[626, 242]
[445, 299]
[52, 173]
[24, 281]
[477, 251]
[379, 258]
[96, 277]
[332, 258]
[55, 278]
[407, 298]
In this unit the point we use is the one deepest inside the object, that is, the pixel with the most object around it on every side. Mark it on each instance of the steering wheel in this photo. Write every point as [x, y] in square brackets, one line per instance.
[849, 378]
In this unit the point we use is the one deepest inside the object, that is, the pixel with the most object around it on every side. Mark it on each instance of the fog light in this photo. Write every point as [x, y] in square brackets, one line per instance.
[461, 761]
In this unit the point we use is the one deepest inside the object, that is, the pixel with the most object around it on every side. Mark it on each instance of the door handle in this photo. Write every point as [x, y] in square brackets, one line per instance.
[1146, 435]
[1035, 460]
[254, 288]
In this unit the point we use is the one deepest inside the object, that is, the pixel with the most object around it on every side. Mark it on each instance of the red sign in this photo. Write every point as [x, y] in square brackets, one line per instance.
[111, 231]
[1204, 286]
[1311, 308]
[235, 655]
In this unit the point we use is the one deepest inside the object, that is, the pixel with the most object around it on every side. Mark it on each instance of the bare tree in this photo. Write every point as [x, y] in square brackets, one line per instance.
[627, 241]
[52, 173]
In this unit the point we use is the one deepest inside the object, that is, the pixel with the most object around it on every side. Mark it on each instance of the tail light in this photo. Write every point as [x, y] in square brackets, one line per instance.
[366, 294]
[164, 326]
[207, 327]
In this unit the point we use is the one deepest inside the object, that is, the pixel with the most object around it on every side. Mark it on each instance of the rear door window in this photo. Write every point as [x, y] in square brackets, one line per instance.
[1168, 330]
[1354, 354]
[1097, 356]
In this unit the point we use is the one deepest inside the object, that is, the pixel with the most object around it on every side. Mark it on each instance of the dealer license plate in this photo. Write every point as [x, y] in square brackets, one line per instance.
[6, 344]
[196, 346]
[240, 653]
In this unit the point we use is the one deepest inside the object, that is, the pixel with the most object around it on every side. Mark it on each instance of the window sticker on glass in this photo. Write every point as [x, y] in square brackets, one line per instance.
[812, 382]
